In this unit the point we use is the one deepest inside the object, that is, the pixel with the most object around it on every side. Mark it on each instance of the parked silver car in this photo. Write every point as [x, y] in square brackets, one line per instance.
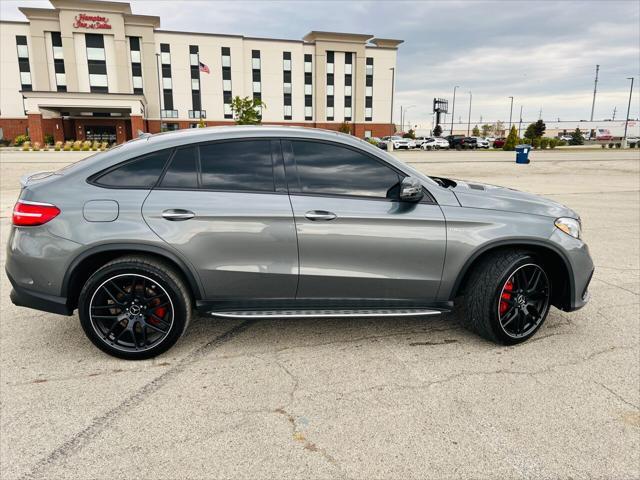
[254, 222]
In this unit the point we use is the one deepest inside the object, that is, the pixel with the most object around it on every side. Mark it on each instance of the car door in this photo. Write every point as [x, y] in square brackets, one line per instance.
[355, 240]
[225, 207]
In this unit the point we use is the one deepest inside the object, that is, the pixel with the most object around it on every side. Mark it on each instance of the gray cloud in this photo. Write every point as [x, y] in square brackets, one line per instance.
[541, 52]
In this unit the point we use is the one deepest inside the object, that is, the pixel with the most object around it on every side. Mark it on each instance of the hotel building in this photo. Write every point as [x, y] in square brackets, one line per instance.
[94, 70]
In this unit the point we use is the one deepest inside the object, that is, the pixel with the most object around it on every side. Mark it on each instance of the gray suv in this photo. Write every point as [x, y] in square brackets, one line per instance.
[254, 222]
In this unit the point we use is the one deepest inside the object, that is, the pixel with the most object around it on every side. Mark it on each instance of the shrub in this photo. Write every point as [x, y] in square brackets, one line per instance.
[48, 139]
[86, 146]
[535, 142]
[372, 141]
[577, 138]
[544, 142]
[512, 139]
[77, 145]
[26, 146]
[562, 143]
[58, 146]
[611, 145]
[95, 146]
[36, 146]
[20, 139]
[104, 146]
[45, 147]
[344, 127]
[553, 142]
[68, 145]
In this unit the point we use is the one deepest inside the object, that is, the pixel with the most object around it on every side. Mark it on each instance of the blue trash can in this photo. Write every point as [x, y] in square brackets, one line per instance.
[522, 153]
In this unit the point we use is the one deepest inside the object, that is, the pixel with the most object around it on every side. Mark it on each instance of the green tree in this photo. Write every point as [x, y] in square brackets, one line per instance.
[487, 129]
[512, 140]
[247, 111]
[476, 131]
[410, 134]
[577, 138]
[535, 130]
[437, 131]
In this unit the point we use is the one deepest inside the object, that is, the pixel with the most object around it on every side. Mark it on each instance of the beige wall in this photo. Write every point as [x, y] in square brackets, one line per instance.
[10, 100]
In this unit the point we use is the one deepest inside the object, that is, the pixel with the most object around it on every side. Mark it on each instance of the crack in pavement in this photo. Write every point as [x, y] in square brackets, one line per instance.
[100, 423]
[618, 396]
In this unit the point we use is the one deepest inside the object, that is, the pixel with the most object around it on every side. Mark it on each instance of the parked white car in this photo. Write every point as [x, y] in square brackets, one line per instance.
[398, 142]
[482, 142]
[435, 143]
[420, 140]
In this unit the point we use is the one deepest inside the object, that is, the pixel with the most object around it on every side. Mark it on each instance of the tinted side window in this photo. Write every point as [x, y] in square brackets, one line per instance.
[330, 169]
[245, 165]
[140, 173]
[183, 171]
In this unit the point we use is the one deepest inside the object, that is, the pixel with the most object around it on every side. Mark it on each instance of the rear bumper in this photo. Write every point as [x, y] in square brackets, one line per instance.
[23, 297]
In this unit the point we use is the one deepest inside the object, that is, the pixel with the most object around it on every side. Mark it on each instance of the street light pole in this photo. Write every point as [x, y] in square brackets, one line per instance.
[393, 83]
[469, 121]
[453, 108]
[626, 120]
[520, 124]
[510, 112]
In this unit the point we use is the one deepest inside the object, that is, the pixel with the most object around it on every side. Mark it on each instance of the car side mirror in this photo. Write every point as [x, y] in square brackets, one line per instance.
[411, 190]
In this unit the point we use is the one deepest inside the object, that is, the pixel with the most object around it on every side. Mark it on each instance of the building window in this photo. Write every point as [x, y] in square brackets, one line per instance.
[330, 80]
[286, 83]
[136, 64]
[167, 84]
[308, 86]
[98, 82]
[168, 127]
[58, 62]
[368, 97]
[226, 82]
[256, 72]
[348, 64]
[194, 65]
[23, 63]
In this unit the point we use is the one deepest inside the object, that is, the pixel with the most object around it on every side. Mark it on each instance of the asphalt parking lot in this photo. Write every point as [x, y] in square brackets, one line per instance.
[363, 399]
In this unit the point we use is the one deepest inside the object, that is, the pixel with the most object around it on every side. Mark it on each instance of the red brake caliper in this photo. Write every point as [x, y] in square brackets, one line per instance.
[158, 312]
[506, 295]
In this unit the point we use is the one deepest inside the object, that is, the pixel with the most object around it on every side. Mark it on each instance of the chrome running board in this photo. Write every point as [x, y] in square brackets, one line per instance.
[405, 312]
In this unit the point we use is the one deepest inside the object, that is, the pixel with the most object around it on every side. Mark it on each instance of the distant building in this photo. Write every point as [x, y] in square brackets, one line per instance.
[93, 70]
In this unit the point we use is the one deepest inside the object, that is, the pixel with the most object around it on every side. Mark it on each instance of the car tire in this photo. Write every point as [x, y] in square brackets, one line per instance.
[501, 303]
[135, 307]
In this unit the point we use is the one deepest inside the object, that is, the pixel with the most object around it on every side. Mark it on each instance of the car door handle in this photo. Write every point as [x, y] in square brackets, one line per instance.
[177, 215]
[314, 215]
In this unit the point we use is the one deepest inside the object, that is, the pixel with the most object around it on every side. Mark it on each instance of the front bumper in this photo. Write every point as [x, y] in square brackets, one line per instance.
[581, 271]
[23, 297]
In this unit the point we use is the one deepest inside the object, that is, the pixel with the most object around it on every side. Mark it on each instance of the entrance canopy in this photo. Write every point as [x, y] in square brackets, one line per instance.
[79, 104]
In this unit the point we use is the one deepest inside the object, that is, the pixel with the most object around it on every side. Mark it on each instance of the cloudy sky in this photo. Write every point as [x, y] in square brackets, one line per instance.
[542, 52]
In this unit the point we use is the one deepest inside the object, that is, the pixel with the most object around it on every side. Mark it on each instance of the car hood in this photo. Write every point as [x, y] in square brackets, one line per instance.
[492, 197]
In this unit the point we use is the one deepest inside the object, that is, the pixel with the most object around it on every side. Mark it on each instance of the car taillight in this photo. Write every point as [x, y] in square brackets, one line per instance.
[31, 214]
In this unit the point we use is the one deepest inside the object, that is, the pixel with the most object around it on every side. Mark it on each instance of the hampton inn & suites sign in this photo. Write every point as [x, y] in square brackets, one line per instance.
[96, 22]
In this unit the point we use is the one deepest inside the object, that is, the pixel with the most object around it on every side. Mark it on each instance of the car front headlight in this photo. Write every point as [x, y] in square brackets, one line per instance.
[570, 226]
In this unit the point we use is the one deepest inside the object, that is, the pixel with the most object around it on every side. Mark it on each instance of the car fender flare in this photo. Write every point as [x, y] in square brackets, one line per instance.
[515, 242]
[190, 275]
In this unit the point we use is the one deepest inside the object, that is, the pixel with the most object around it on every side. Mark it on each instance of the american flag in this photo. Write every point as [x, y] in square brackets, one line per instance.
[204, 68]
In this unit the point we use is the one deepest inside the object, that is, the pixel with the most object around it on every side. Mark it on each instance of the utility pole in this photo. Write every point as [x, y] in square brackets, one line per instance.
[540, 114]
[595, 89]
[469, 122]
[520, 124]
[453, 108]
[510, 112]
[393, 82]
[613, 117]
[626, 120]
